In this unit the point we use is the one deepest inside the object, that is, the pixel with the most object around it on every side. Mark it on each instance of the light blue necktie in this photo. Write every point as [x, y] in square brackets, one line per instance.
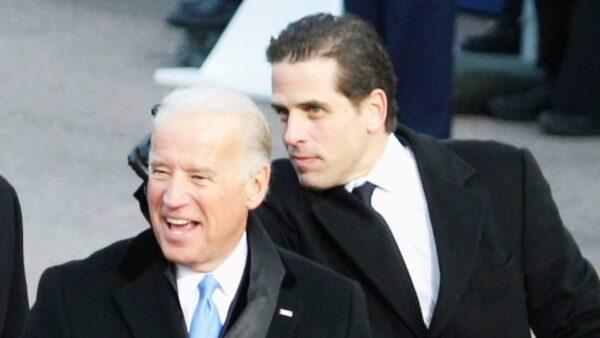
[206, 322]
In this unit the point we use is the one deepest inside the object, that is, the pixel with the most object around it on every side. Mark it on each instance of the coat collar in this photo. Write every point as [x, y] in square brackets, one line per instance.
[454, 209]
[148, 298]
[350, 224]
[266, 273]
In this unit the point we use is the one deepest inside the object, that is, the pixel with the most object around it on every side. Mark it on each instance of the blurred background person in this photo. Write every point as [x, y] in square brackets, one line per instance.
[503, 36]
[13, 289]
[566, 101]
[418, 35]
[201, 22]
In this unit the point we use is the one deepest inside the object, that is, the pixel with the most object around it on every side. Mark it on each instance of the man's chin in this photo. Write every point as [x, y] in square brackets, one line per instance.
[181, 259]
[313, 181]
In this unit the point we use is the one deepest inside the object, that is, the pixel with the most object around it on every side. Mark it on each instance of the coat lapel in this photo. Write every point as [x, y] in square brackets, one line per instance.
[265, 278]
[455, 212]
[456, 215]
[288, 313]
[148, 300]
[350, 224]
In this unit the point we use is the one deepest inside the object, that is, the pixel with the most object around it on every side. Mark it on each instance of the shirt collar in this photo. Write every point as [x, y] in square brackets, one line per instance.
[228, 274]
[387, 172]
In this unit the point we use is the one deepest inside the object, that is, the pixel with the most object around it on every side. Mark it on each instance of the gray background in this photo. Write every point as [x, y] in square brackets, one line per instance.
[75, 95]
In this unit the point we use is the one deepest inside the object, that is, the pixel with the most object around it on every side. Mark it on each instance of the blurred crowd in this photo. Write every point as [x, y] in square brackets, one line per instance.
[567, 100]
[419, 37]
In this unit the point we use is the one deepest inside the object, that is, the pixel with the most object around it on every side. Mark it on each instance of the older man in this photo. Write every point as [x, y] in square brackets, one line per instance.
[447, 239]
[207, 269]
[13, 291]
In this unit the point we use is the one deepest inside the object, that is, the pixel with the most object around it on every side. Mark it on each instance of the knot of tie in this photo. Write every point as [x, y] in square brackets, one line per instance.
[207, 287]
[206, 322]
[364, 192]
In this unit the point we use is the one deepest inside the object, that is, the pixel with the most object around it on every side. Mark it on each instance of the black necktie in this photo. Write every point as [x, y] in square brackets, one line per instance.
[388, 244]
[364, 192]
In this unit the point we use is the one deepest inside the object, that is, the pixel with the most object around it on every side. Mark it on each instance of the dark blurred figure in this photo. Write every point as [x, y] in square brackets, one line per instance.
[575, 94]
[202, 22]
[567, 102]
[503, 36]
[418, 35]
[13, 289]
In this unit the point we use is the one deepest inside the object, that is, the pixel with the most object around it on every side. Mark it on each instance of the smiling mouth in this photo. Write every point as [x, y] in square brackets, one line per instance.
[179, 226]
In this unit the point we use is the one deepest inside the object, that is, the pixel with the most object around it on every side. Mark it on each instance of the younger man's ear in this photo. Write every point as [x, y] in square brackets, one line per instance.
[257, 187]
[375, 105]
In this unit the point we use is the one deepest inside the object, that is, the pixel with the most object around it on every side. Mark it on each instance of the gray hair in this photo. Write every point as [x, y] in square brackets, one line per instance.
[202, 101]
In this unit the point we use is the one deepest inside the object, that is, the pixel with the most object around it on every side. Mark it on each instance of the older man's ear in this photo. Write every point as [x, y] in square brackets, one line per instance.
[257, 187]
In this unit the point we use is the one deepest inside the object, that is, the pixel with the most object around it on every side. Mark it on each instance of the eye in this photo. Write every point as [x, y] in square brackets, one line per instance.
[283, 117]
[199, 179]
[159, 173]
[315, 111]
[282, 112]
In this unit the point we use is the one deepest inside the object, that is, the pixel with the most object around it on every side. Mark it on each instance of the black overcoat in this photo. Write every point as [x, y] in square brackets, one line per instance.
[127, 290]
[13, 289]
[506, 261]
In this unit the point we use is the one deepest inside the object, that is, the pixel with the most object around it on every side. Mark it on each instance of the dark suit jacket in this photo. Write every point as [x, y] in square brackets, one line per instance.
[128, 290]
[13, 291]
[505, 258]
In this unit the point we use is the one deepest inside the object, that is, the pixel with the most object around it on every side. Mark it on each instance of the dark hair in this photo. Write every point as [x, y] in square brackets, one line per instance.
[363, 62]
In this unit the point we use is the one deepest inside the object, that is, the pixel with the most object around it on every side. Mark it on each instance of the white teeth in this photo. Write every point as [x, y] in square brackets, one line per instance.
[176, 221]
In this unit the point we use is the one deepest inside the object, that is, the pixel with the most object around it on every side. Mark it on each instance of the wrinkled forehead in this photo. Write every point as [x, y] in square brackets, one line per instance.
[193, 142]
[197, 127]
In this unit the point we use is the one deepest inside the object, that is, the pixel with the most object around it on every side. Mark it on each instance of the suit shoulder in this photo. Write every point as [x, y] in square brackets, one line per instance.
[98, 266]
[285, 189]
[4, 185]
[283, 175]
[9, 205]
[488, 156]
[304, 269]
[284, 165]
[6, 189]
[474, 148]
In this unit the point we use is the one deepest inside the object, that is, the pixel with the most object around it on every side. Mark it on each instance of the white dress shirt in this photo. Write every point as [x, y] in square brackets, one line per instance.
[228, 274]
[399, 198]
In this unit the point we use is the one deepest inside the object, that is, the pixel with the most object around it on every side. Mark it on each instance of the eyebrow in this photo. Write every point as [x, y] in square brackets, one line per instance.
[204, 170]
[313, 103]
[303, 105]
[155, 162]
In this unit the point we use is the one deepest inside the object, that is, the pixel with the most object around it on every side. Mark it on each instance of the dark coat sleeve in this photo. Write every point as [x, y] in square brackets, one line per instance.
[563, 291]
[274, 213]
[13, 289]
[48, 317]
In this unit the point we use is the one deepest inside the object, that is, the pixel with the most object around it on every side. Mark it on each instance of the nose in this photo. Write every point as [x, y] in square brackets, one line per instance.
[294, 129]
[176, 194]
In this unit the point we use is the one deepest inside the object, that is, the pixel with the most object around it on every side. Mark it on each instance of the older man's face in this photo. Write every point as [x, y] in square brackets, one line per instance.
[197, 196]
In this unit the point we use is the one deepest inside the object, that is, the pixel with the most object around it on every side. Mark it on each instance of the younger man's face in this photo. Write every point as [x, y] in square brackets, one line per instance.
[324, 133]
